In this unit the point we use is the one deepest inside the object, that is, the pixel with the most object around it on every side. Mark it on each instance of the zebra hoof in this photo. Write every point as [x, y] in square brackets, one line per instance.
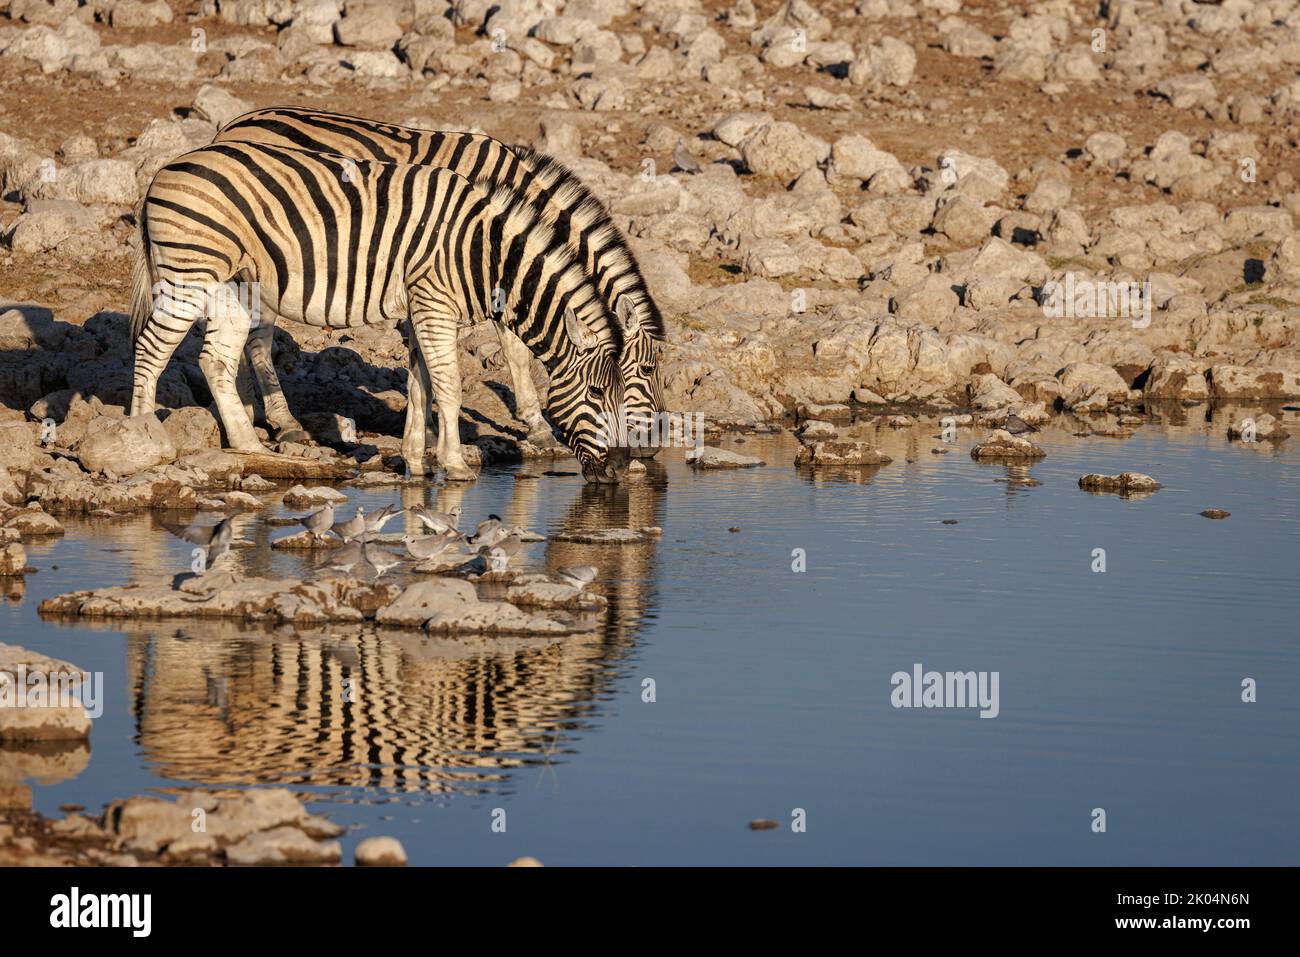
[299, 436]
[459, 473]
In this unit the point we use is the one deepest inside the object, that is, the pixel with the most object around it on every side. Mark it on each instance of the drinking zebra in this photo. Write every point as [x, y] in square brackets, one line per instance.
[577, 217]
[335, 242]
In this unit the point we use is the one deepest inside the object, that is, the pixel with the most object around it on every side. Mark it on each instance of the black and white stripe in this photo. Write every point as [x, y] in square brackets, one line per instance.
[334, 241]
[577, 217]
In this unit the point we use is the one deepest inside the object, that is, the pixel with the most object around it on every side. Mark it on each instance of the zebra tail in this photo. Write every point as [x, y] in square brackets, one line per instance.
[141, 300]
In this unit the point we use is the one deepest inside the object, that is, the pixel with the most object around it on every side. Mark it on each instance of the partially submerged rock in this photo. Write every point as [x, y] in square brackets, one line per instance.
[451, 606]
[1216, 513]
[13, 557]
[1001, 444]
[1123, 483]
[539, 591]
[711, 457]
[33, 522]
[275, 601]
[840, 453]
[610, 536]
[302, 497]
[381, 852]
[1262, 428]
[40, 698]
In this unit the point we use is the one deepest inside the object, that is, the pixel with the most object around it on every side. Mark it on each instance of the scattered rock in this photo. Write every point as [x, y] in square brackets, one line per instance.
[840, 453]
[1124, 483]
[1001, 444]
[380, 852]
[39, 698]
[711, 457]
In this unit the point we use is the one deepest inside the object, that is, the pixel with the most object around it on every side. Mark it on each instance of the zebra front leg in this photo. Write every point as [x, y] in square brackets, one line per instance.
[435, 333]
[285, 427]
[519, 359]
[223, 347]
[417, 411]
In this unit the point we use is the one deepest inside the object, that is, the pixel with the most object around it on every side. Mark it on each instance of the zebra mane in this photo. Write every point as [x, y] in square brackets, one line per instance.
[572, 194]
[506, 201]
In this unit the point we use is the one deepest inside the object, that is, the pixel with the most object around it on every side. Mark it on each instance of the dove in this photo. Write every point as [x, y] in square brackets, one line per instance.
[501, 551]
[683, 160]
[438, 521]
[578, 576]
[485, 530]
[1016, 425]
[361, 560]
[353, 527]
[376, 522]
[423, 547]
[212, 533]
[320, 521]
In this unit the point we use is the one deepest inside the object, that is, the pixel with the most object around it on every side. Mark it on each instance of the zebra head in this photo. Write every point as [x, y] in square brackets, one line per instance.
[643, 388]
[586, 399]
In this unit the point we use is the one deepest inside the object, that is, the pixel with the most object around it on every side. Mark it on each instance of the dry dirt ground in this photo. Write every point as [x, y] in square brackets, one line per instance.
[951, 102]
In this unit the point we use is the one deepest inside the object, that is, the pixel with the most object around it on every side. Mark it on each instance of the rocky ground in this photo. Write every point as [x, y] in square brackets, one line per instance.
[885, 191]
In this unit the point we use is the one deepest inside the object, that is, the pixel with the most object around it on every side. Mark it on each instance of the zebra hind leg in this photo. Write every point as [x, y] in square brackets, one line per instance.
[176, 308]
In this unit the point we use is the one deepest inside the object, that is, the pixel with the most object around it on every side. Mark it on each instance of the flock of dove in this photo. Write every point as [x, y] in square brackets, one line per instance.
[367, 560]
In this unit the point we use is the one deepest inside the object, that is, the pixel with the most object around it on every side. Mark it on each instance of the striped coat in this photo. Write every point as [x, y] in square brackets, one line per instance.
[332, 241]
[577, 217]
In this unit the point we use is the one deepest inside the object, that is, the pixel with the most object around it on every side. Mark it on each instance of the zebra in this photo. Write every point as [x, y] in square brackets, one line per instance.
[574, 213]
[331, 241]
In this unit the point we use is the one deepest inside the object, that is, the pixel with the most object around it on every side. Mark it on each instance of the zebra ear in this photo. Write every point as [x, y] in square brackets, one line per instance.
[578, 333]
[627, 317]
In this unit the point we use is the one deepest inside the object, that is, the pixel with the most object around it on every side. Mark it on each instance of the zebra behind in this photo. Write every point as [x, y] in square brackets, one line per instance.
[334, 242]
[578, 218]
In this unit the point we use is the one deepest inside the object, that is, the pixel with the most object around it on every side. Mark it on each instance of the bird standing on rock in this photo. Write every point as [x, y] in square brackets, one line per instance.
[500, 552]
[487, 532]
[438, 522]
[319, 522]
[362, 560]
[353, 527]
[684, 160]
[1018, 426]
[425, 547]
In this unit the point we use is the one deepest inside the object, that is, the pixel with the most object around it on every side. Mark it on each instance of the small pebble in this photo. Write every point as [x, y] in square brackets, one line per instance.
[950, 521]
[1215, 513]
[734, 528]
[763, 824]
